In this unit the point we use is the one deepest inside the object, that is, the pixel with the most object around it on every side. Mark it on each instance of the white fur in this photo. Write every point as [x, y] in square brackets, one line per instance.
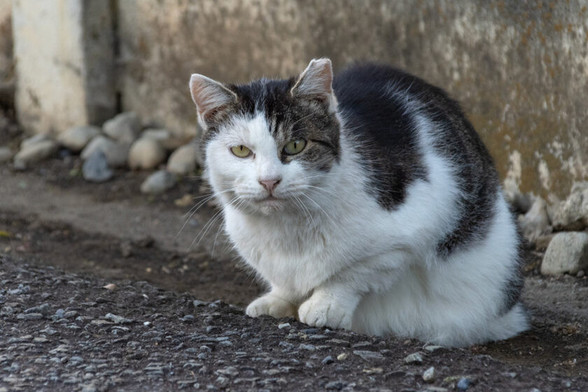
[334, 257]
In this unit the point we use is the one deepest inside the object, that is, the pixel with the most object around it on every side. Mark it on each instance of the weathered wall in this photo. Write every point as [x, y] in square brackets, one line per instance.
[65, 63]
[520, 69]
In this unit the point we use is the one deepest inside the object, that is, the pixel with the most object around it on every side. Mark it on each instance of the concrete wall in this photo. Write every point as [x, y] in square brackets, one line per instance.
[520, 69]
[64, 51]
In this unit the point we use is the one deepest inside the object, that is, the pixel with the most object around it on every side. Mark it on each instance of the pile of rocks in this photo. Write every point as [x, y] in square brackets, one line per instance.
[559, 228]
[120, 142]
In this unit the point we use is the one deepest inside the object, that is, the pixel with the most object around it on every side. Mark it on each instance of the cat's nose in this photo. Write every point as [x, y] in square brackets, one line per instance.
[270, 184]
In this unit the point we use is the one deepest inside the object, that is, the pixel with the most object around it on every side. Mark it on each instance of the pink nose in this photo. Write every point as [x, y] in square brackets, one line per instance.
[271, 184]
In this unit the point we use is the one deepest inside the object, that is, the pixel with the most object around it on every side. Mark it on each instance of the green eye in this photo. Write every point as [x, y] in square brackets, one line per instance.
[241, 151]
[295, 147]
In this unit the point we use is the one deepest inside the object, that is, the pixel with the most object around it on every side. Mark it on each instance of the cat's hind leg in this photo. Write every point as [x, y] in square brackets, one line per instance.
[274, 304]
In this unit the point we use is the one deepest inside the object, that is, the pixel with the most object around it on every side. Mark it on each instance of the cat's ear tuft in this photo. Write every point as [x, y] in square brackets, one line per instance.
[210, 97]
[316, 83]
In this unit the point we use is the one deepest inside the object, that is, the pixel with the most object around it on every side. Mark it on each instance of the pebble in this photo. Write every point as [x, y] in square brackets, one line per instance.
[283, 325]
[433, 348]
[368, 355]
[76, 138]
[146, 154]
[429, 375]
[414, 358]
[184, 160]
[158, 182]
[308, 347]
[124, 127]
[95, 168]
[535, 222]
[116, 153]
[168, 140]
[342, 356]
[117, 319]
[35, 151]
[5, 154]
[572, 214]
[463, 384]
[567, 253]
[327, 360]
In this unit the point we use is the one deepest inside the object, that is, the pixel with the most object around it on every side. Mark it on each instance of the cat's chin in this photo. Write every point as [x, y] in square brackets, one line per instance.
[269, 205]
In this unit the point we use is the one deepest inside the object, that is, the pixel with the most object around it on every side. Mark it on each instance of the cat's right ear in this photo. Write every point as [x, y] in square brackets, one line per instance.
[211, 98]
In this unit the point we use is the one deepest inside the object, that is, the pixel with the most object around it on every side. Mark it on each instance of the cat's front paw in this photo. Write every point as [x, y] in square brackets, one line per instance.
[272, 306]
[321, 311]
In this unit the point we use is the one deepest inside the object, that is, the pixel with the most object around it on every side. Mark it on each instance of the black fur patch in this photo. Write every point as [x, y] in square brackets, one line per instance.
[386, 136]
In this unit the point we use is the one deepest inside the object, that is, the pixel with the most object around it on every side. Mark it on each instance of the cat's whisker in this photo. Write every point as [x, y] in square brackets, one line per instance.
[320, 208]
[199, 205]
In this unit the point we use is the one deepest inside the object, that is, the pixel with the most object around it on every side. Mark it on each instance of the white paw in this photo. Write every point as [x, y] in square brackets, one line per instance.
[272, 306]
[320, 311]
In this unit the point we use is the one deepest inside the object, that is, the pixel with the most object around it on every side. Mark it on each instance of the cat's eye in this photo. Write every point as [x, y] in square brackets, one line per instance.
[295, 147]
[241, 151]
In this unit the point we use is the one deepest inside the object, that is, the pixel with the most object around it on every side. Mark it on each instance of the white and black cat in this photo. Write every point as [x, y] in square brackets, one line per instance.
[366, 201]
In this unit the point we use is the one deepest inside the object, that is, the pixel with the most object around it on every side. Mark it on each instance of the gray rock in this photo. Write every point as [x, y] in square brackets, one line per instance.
[414, 358]
[76, 138]
[572, 214]
[95, 168]
[463, 384]
[146, 154]
[168, 140]
[30, 141]
[368, 355]
[117, 319]
[35, 151]
[124, 127]
[429, 375]
[5, 154]
[567, 253]
[158, 182]
[184, 160]
[116, 153]
[535, 222]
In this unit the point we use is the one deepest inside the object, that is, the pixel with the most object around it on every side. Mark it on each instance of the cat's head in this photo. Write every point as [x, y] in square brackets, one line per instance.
[270, 145]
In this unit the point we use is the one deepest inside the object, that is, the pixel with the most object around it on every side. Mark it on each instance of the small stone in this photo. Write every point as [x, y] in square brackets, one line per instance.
[327, 360]
[95, 168]
[197, 303]
[146, 154]
[429, 375]
[567, 253]
[433, 348]
[168, 140]
[124, 127]
[184, 160]
[117, 319]
[463, 384]
[414, 358]
[308, 347]
[158, 182]
[580, 274]
[342, 356]
[29, 316]
[116, 153]
[369, 355]
[76, 138]
[5, 154]
[283, 325]
[109, 286]
[184, 201]
[35, 152]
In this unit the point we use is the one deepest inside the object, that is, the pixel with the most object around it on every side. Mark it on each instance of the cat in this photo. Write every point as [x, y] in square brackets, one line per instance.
[366, 201]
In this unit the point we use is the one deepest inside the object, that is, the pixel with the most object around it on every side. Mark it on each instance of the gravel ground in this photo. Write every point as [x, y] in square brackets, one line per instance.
[81, 333]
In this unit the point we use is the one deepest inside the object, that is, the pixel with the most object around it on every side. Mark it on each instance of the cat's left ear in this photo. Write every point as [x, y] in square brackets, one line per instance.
[211, 98]
[316, 83]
